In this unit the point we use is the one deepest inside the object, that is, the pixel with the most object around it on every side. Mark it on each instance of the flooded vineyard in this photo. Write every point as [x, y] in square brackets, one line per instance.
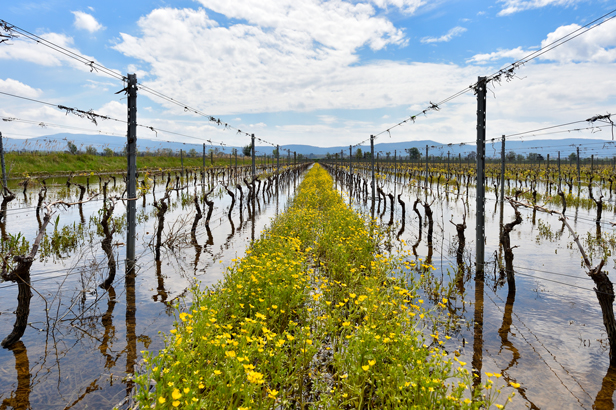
[88, 320]
[534, 319]
[540, 327]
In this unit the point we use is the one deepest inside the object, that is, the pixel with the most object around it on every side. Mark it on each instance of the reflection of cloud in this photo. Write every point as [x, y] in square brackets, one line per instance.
[454, 32]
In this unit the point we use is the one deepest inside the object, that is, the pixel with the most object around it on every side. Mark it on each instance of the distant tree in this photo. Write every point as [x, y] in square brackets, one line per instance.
[91, 150]
[572, 156]
[510, 156]
[108, 152]
[519, 157]
[471, 156]
[247, 150]
[358, 153]
[532, 156]
[275, 153]
[192, 153]
[72, 148]
[413, 153]
[388, 154]
[328, 155]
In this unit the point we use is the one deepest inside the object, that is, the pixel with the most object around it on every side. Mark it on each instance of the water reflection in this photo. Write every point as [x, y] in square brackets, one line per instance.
[109, 333]
[20, 397]
[131, 323]
[604, 400]
[87, 359]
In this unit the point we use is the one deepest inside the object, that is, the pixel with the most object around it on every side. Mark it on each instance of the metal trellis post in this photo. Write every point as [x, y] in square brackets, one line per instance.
[480, 211]
[131, 153]
[254, 170]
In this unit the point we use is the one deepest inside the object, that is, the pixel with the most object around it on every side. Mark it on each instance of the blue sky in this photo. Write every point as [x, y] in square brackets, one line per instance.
[322, 73]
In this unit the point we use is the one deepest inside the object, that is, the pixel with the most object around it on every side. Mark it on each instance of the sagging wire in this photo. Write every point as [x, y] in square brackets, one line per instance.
[509, 73]
[8, 30]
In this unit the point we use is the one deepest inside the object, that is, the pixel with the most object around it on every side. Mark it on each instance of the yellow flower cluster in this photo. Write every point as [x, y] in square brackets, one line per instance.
[313, 286]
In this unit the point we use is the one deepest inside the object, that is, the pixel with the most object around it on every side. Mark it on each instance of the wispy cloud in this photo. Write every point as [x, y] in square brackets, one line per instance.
[454, 32]
[515, 6]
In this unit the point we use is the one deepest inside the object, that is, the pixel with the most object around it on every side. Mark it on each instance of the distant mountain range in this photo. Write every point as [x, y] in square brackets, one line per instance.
[58, 142]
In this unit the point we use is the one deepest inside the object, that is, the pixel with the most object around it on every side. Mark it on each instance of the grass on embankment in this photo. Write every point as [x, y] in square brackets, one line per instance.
[310, 318]
[64, 163]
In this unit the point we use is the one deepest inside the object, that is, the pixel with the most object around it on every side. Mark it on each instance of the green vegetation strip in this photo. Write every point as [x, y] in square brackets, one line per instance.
[61, 163]
[310, 318]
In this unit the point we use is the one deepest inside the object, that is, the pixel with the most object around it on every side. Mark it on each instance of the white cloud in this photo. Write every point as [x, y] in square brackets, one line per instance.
[327, 119]
[85, 21]
[291, 56]
[597, 45]
[26, 50]
[406, 6]
[454, 32]
[515, 6]
[513, 54]
[15, 87]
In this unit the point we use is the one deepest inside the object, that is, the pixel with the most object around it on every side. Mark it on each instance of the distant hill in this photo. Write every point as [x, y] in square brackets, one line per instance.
[58, 142]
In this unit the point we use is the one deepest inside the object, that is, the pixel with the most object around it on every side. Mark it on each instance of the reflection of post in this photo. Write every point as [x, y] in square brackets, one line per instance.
[131, 322]
[478, 332]
[608, 386]
[21, 398]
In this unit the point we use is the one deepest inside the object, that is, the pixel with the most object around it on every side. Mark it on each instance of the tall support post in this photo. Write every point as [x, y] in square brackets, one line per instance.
[2, 164]
[182, 162]
[426, 167]
[294, 158]
[558, 171]
[131, 153]
[481, 149]
[203, 166]
[547, 167]
[448, 158]
[278, 158]
[395, 166]
[373, 180]
[592, 162]
[252, 151]
[212, 157]
[578, 169]
[502, 186]
[235, 153]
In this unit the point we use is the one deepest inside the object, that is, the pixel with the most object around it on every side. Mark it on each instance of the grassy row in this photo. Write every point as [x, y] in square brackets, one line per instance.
[310, 318]
[61, 163]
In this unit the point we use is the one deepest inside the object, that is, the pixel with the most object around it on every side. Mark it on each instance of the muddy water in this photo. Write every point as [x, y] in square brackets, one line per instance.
[548, 334]
[77, 353]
